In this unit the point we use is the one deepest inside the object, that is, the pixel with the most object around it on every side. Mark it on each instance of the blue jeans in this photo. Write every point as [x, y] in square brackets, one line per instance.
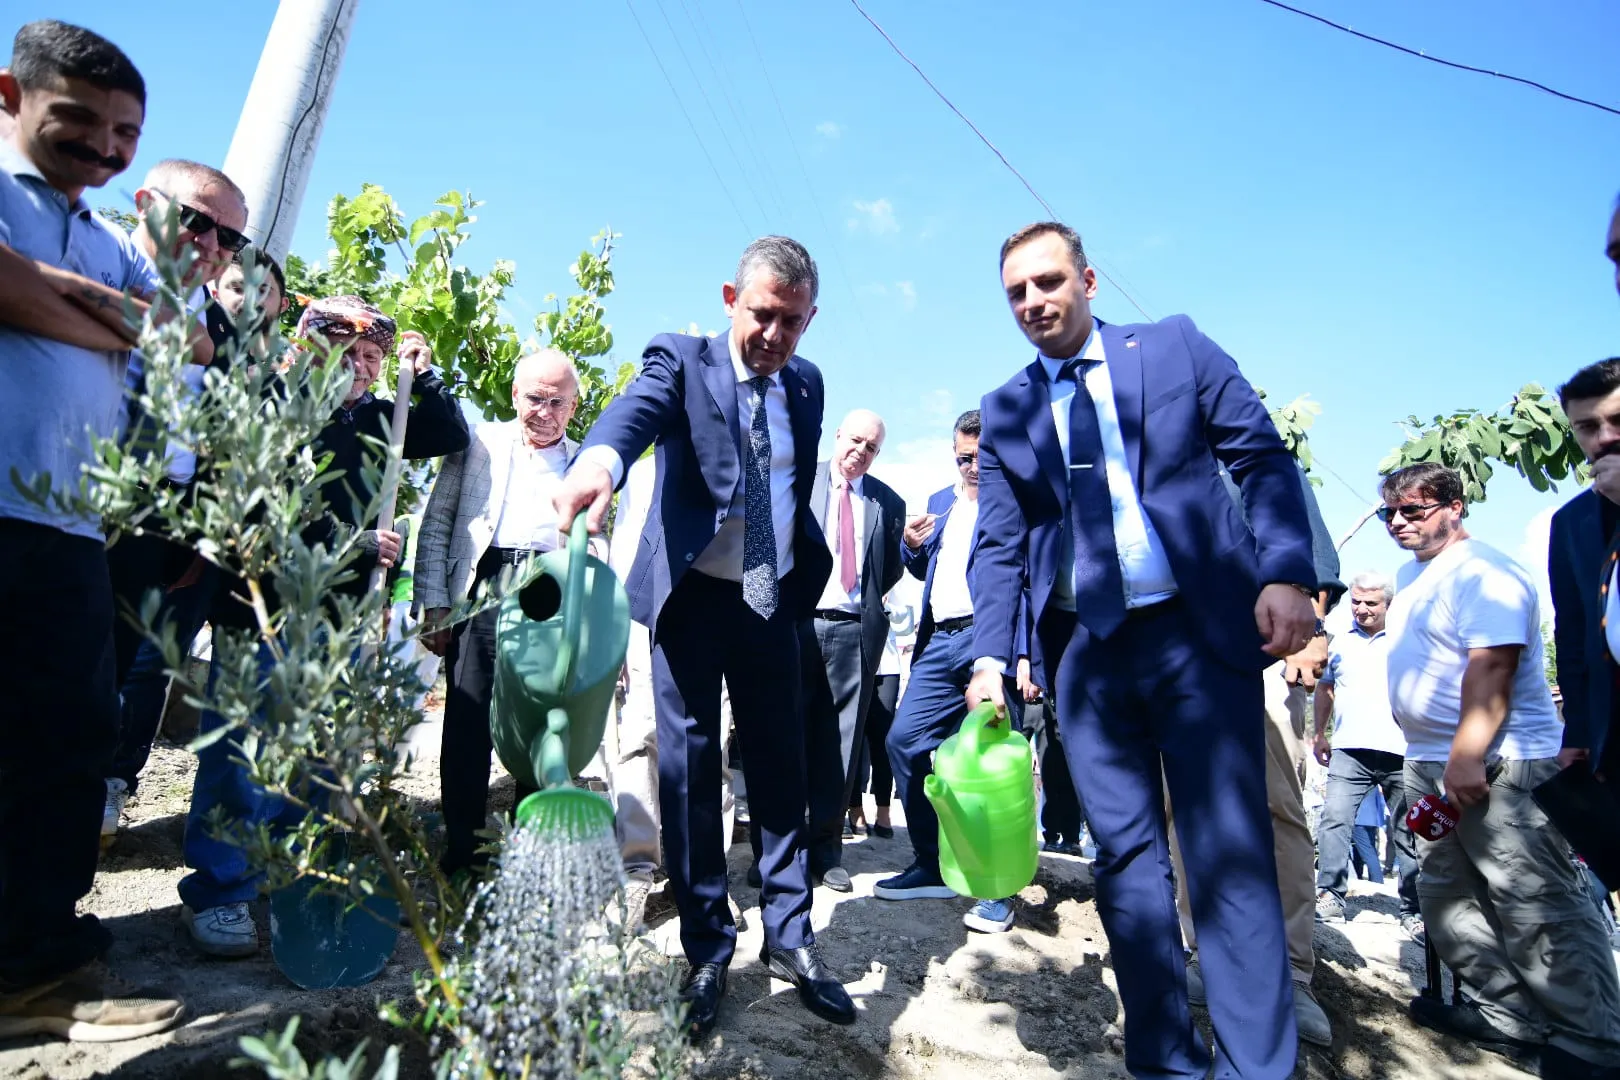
[1366, 853]
[221, 872]
[146, 684]
[1351, 775]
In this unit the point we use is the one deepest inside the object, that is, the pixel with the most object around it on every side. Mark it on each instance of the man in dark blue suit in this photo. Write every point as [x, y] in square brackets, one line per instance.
[731, 561]
[1583, 531]
[1155, 609]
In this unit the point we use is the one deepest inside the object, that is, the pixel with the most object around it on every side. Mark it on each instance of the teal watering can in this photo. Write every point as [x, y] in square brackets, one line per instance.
[983, 789]
[559, 646]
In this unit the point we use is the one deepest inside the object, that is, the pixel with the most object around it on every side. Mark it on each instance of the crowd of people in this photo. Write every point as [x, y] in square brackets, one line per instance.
[1131, 566]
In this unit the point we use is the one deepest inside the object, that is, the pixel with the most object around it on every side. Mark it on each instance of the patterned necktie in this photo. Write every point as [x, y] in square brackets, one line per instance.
[1099, 586]
[759, 585]
[846, 540]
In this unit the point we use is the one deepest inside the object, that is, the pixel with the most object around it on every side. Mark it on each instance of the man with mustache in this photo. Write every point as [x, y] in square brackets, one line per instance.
[490, 510]
[76, 105]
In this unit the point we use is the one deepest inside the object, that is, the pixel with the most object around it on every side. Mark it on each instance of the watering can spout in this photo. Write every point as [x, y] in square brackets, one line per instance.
[949, 811]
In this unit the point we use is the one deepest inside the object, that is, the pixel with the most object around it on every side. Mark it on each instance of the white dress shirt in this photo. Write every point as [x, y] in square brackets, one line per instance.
[1144, 567]
[833, 597]
[724, 556]
[528, 520]
[949, 597]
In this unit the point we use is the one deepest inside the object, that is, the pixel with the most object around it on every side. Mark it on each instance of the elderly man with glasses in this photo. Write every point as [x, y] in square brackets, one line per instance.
[1361, 744]
[490, 508]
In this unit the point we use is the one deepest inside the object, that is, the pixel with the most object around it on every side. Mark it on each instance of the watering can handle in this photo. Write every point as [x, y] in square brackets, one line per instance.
[980, 722]
[573, 607]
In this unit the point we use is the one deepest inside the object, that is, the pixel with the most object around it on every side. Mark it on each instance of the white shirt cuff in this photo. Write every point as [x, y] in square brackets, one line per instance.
[605, 456]
[989, 663]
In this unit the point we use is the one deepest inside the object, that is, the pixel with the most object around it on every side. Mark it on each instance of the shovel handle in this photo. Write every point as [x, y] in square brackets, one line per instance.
[573, 607]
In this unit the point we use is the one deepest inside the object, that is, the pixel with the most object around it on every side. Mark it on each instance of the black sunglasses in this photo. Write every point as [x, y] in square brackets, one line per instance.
[1410, 511]
[197, 223]
[966, 459]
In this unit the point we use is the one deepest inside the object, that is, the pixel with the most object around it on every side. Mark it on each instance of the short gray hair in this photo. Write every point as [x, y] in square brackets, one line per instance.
[171, 172]
[785, 258]
[1369, 580]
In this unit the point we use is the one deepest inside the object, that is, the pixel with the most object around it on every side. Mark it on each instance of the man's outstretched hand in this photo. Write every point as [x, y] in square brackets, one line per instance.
[588, 486]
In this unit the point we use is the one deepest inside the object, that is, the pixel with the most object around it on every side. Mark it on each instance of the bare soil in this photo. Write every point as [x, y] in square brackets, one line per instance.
[937, 1001]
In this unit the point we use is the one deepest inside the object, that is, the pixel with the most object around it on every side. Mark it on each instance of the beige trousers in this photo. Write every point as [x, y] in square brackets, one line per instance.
[1295, 852]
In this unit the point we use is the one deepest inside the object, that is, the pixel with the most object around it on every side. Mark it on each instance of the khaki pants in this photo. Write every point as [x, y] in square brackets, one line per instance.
[1285, 796]
[1508, 911]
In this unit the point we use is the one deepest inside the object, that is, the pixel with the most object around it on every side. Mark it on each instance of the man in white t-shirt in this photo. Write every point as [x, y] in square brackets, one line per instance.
[1502, 901]
[1366, 750]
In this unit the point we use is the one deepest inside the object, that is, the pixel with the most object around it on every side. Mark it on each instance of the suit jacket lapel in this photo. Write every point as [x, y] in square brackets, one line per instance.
[500, 450]
[1124, 359]
[721, 380]
[818, 493]
[1037, 420]
[803, 418]
[874, 511]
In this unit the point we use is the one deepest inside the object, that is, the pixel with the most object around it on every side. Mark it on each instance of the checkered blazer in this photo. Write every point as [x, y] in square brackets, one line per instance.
[462, 513]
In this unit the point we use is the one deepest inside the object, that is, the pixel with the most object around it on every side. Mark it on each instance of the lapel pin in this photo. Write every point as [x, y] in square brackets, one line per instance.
[1130, 344]
[803, 392]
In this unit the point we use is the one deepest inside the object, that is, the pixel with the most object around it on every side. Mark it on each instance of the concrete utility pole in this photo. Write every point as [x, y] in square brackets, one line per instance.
[274, 146]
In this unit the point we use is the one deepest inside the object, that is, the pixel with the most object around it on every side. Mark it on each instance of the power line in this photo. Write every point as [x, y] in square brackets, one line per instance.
[1050, 213]
[787, 128]
[704, 94]
[1447, 63]
[719, 179]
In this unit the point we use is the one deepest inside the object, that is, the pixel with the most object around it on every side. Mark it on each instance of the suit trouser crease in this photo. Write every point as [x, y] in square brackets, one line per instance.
[1153, 705]
[706, 634]
[1508, 911]
[1352, 773]
[56, 744]
[838, 691]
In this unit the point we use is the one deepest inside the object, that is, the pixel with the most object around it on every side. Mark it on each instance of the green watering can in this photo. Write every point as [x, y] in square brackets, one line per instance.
[559, 646]
[983, 789]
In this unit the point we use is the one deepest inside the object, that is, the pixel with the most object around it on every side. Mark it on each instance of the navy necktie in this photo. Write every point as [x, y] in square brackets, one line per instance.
[1099, 587]
[759, 585]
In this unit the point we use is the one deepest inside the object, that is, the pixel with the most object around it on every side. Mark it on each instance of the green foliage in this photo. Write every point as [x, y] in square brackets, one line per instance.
[457, 310]
[280, 1059]
[1529, 434]
[124, 219]
[1293, 422]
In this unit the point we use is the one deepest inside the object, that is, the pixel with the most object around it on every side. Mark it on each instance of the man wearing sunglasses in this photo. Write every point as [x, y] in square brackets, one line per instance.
[1502, 901]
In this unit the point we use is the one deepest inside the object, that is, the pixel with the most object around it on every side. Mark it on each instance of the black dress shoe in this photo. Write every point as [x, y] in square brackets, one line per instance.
[705, 986]
[882, 832]
[837, 879]
[1467, 1022]
[818, 988]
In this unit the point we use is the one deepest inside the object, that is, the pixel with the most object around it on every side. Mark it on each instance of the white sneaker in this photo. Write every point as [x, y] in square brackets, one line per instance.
[112, 811]
[990, 917]
[226, 930]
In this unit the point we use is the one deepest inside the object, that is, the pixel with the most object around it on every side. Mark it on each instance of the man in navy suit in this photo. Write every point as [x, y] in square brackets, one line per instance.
[1155, 610]
[731, 561]
[1583, 531]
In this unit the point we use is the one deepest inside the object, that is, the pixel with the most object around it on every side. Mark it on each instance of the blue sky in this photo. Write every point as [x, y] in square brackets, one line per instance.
[1387, 235]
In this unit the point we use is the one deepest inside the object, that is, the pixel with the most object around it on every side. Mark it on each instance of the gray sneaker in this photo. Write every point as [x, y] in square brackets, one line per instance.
[637, 887]
[226, 930]
[1412, 923]
[112, 810]
[1329, 908]
[88, 1005]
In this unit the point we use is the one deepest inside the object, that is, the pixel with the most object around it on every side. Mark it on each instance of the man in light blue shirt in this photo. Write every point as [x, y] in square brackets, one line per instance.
[77, 105]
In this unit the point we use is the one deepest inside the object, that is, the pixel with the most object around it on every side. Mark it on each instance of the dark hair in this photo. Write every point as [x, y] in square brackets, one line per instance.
[262, 257]
[785, 258]
[47, 50]
[967, 423]
[1041, 228]
[1592, 381]
[1429, 479]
